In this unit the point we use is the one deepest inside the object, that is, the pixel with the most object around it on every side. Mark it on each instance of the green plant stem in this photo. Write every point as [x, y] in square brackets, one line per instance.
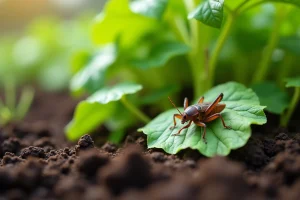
[134, 110]
[24, 103]
[233, 14]
[217, 50]
[263, 66]
[285, 118]
[198, 41]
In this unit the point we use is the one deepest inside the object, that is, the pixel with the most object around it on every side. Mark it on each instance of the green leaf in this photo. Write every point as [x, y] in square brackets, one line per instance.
[93, 111]
[149, 8]
[115, 93]
[117, 20]
[271, 96]
[293, 82]
[160, 54]
[92, 76]
[209, 12]
[87, 117]
[242, 110]
[79, 59]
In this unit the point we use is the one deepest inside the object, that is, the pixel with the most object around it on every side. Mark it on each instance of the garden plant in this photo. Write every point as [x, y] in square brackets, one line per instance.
[166, 99]
[183, 40]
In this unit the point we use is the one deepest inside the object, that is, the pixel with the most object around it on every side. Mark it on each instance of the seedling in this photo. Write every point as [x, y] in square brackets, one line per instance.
[200, 113]
[11, 111]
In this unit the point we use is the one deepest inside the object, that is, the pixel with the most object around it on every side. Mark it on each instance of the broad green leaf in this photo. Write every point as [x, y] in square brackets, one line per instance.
[149, 8]
[160, 54]
[209, 12]
[93, 111]
[87, 117]
[115, 93]
[272, 96]
[242, 110]
[293, 82]
[92, 77]
[117, 20]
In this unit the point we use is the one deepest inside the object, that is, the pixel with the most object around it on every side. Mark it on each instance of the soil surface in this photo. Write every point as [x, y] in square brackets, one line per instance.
[36, 162]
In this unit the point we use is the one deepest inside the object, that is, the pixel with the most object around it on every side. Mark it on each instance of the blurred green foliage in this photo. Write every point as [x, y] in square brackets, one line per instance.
[42, 54]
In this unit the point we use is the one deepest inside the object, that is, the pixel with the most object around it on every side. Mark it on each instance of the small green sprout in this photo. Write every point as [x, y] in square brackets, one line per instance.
[10, 110]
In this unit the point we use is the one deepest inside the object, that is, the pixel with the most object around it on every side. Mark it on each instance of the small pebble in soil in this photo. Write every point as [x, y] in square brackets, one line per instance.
[85, 142]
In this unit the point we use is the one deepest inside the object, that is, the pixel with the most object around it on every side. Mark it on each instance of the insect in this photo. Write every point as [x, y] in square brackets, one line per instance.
[200, 113]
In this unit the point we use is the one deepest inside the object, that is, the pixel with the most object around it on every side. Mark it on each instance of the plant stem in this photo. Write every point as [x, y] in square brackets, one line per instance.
[196, 57]
[217, 50]
[272, 43]
[24, 103]
[134, 110]
[285, 118]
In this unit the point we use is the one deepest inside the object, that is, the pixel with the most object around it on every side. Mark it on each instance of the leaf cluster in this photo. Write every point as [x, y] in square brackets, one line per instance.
[165, 46]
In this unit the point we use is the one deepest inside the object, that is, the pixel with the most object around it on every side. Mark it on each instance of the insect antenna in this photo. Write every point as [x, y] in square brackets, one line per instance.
[174, 105]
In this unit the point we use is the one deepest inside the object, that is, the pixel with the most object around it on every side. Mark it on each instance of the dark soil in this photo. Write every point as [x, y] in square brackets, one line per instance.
[36, 162]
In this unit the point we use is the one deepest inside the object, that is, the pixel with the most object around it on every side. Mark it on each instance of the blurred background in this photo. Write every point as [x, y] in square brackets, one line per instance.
[37, 39]
[15, 15]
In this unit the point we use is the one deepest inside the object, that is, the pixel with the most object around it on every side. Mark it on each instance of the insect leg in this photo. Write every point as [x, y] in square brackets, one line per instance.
[201, 124]
[213, 105]
[201, 100]
[215, 116]
[186, 126]
[175, 116]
